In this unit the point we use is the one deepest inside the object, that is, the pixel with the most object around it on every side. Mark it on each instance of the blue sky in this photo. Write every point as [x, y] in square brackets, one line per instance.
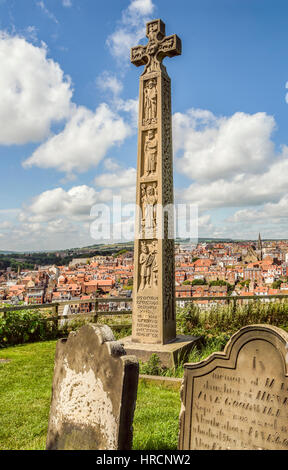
[68, 135]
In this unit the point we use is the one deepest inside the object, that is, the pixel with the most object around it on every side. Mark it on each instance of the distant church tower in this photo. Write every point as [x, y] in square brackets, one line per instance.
[260, 247]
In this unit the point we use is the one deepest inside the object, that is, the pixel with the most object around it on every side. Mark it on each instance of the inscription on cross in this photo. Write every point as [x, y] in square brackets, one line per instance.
[158, 47]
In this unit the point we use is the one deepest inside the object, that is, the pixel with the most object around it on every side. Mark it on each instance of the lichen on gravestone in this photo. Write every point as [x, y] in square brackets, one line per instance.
[94, 392]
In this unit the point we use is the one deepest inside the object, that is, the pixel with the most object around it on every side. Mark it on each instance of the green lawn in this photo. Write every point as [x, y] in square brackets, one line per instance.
[25, 392]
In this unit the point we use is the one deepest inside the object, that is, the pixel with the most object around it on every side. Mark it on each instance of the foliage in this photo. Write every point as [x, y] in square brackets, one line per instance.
[222, 283]
[122, 333]
[215, 327]
[27, 326]
[276, 284]
[24, 326]
[152, 366]
[222, 321]
[29, 260]
[198, 282]
[121, 252]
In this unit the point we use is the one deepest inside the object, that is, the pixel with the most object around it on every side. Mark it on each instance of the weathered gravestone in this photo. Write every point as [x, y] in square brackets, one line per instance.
[238, 399]
[94, 392]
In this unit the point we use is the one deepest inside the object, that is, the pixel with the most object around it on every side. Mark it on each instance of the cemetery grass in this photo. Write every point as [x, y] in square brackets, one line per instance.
[25, 393]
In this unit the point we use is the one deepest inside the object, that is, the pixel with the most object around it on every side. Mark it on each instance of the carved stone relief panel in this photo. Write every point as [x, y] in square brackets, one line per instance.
[150, 102]
[148, 265]
[150, 153]
[149, 200]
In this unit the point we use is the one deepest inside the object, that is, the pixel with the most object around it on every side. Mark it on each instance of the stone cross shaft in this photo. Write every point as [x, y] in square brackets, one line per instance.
[153, 318]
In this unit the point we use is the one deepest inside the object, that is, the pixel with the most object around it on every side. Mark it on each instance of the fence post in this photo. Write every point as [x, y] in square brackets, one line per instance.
[95, 318]
[55, 319]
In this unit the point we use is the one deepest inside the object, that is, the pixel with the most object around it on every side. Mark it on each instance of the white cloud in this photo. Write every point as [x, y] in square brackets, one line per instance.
[78, 200]
[60, 218]
[76, 203]
[129, 106]
[34, 92]
[121, 178]
[231, 160]
[131, 28]
[6, 224]
[83, 143]
[72, 206]
[220, 147]
[141, 7]
[67, 3]
[53, 235]
[108, 82]
[275, 212]
[47, 12]
[117, 181]
[112, 84]
[30, 33]
[110, 164]
[244, 189]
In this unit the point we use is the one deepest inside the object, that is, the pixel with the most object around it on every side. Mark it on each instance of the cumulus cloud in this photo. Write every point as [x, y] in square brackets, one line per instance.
[60, 218]
[67, 3]
[108, 82]
[141, 7]
[76, 203]
[34, 92]
[118, 179]
[78, 200]
[54, 235]
[244, 189]
[129, 106]
[275, 212]
[48, 208]
[131, 28]
[84, 141]
[219, 147]
[231, 160]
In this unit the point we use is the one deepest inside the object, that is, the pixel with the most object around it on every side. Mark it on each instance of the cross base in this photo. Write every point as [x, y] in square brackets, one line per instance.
[170, 354]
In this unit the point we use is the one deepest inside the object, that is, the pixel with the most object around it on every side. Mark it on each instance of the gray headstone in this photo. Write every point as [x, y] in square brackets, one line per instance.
[238, 399]
[94, 392]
